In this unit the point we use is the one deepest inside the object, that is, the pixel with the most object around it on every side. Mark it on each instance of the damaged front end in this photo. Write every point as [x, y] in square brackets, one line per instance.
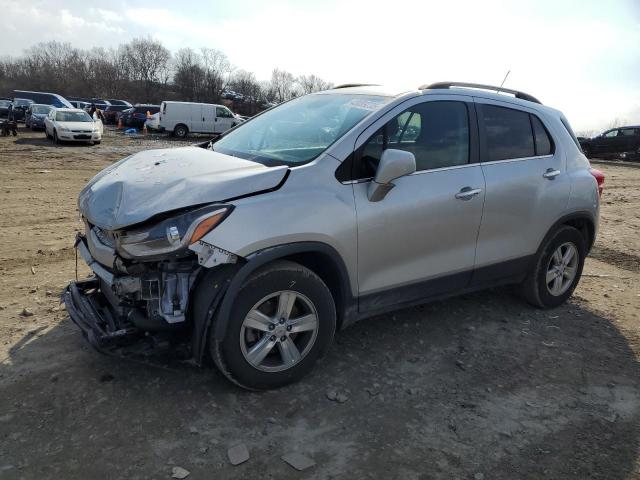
[138, 300]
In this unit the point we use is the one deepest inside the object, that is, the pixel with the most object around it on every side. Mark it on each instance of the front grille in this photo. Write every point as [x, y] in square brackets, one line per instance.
[81, 131]
[105, 237]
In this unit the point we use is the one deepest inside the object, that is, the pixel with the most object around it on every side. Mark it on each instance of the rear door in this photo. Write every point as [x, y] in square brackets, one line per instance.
[208, 118]
[419, 241]
[527, 187]
[629, 139]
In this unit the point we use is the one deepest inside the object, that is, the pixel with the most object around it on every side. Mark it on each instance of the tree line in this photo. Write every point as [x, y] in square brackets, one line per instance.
[145, 71]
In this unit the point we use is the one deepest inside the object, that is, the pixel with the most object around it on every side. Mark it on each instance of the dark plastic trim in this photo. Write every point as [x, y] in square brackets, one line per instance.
[447, 85]
[262, 257]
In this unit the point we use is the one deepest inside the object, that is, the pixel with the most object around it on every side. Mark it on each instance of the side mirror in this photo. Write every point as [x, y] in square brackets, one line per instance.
[393, 164]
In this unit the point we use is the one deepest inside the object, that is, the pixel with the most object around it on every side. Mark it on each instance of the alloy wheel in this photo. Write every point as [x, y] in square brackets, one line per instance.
[562, 269]
[279, 331]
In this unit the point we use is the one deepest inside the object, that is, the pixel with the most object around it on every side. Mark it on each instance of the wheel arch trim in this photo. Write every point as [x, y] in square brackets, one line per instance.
[268, 255]
[581, 215]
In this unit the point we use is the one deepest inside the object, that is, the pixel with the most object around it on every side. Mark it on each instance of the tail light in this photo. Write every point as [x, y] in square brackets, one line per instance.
[599, 176]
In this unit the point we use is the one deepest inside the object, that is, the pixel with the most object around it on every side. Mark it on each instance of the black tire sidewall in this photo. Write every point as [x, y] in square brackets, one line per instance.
[181, 128]
[258, 287]
[564, 235]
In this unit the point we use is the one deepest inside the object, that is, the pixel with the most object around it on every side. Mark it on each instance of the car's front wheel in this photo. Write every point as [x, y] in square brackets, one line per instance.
[282, 320]
[557, 269]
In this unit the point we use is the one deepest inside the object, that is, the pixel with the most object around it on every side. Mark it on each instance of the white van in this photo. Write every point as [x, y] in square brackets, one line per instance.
[183, 118]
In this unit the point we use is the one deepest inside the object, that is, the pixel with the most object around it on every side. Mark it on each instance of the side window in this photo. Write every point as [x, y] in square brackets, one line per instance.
[221, 112]
[508, 133]
[611, 134]
[437, 133]
[628, 132]
[544, 144]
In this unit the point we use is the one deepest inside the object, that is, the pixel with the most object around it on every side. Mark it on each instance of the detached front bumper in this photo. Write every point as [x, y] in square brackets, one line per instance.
[88, 309]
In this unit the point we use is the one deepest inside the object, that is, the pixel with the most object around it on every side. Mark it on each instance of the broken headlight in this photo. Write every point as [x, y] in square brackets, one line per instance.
[171, 234]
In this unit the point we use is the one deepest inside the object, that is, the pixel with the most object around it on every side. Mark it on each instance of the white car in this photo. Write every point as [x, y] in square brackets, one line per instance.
[72, 125]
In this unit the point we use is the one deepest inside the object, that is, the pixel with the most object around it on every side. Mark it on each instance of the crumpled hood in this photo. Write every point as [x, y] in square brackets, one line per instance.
[156, 181]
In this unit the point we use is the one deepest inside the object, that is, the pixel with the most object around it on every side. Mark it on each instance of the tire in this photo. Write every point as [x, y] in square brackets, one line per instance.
[281, 279]
[535, 288]
[181, 131]
[56, 140]
[97, 142]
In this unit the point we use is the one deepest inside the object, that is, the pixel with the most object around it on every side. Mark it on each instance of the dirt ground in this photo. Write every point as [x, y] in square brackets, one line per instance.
[477, 387]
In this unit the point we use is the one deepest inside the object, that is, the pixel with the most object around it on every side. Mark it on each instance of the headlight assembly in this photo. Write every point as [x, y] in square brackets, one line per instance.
[171, 234]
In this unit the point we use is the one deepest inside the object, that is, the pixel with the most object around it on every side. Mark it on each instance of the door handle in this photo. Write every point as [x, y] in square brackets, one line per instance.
[203, 119]
[551, 173]
[467, 193]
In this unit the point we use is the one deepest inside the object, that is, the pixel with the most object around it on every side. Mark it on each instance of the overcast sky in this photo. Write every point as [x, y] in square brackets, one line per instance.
[582, 57]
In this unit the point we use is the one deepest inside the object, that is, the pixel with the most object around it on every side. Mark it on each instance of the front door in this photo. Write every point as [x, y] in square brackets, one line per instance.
[608, 142]
[419, 241]
[224, 119]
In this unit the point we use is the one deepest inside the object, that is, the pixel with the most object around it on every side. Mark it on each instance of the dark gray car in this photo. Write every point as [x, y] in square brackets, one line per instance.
[35, 115]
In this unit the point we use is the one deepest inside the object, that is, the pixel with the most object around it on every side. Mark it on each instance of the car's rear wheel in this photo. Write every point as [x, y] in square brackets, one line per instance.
[181, 131]
[282, 320]
[557, 269]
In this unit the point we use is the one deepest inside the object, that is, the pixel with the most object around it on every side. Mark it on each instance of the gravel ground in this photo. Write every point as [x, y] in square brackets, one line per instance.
[480, 386]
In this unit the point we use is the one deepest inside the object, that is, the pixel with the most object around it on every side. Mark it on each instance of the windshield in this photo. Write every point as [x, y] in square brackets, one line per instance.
[40, 109]
[73, 117]
[300, 130]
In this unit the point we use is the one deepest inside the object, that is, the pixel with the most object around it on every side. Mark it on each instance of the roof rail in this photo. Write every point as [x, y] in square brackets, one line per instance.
[516, 93]
[348, 85]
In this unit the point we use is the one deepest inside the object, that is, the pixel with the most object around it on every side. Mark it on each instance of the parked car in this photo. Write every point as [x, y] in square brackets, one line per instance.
[20, 106]
[615, 140]
[72, 125]
[119, 102]
[35, 116]
[111, 113]
[4, 107]
[136, 116]
[182, 118]
[322, 211]
[153, 122]
[99, 103]
[43, 98]
[80, 104]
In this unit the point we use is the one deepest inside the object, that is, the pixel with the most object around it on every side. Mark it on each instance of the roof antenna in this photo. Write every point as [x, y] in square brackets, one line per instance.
[504, 80]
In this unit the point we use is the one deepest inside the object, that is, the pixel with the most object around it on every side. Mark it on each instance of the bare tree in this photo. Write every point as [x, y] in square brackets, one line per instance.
[218, 71]
[148, 62]
[283, 85]
[311, 83]
[189, 76]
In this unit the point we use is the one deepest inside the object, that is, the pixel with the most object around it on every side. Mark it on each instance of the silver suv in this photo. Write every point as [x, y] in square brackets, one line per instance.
[254, 248]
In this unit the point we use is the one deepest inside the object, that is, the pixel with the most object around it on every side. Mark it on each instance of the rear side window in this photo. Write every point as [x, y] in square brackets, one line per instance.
[629, 132]
[544, 144]
[508, 133]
